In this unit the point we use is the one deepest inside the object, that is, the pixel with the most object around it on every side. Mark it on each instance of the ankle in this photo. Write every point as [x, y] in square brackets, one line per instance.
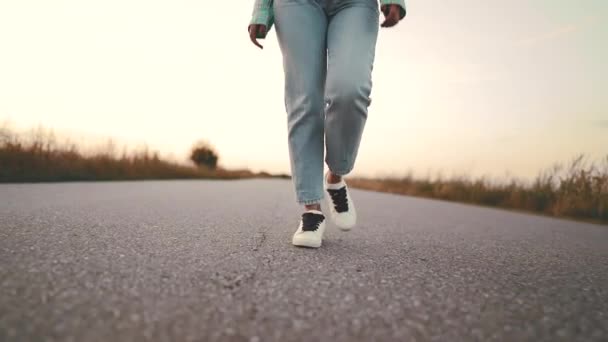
[315, 206]
[332, 178]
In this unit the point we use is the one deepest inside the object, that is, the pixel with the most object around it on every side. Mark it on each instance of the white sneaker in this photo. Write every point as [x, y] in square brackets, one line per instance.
[310, 231]
[341, 206]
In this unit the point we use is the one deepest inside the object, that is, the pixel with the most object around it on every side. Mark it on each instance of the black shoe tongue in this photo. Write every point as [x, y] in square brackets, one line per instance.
[339, 200]
[311, 221]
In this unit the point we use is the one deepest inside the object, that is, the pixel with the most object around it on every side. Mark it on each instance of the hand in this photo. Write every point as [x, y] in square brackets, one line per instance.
[254, 29]
[392, 15]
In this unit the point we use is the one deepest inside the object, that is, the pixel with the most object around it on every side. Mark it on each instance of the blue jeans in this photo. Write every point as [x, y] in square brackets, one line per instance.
[328, 49]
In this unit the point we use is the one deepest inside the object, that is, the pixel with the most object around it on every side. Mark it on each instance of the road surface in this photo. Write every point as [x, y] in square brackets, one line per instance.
[212, 261]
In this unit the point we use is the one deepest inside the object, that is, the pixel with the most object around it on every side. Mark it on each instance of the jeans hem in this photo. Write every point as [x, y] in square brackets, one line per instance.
[312, 201]
[340, 172]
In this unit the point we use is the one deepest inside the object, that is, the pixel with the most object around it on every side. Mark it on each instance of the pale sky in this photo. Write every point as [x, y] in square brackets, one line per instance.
[480, 87]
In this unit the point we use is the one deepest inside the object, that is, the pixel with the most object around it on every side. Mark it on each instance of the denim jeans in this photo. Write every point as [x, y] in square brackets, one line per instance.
[328, 49]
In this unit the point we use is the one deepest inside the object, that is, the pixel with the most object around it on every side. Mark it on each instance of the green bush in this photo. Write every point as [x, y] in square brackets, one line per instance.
[204, 155]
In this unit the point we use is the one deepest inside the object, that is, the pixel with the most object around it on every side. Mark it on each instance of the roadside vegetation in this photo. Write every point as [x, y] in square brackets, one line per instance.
[578, 189]
[38, 156]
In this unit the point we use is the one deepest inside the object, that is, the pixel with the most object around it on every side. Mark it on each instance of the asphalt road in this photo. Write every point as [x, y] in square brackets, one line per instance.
[212, 261]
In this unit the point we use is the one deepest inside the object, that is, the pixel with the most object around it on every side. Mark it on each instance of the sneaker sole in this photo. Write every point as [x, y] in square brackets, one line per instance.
[345, 229]
[306, 243]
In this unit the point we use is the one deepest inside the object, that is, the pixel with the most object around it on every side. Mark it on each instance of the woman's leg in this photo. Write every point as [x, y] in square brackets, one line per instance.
[301, 27]
[351, 43]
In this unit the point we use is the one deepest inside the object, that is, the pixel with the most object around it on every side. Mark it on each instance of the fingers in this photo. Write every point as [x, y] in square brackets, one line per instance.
[253, 34]
[391, 15]
[385, 9]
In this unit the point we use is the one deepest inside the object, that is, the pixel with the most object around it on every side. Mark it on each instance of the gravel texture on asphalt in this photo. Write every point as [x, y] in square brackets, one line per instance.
[212, 261]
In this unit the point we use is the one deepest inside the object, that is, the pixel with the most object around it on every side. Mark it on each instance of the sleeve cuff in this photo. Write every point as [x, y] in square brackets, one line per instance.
[261, 17]
[401, 3]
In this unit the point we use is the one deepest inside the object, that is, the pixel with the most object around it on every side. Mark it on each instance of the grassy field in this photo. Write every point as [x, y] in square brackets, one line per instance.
[577, 190]
[37, 156]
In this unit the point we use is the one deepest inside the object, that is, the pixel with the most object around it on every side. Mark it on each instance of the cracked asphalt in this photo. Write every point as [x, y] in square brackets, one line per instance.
[212, 261]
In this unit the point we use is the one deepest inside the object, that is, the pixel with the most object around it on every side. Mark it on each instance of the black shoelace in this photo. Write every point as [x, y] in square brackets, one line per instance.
[338, 197]
[311, 221]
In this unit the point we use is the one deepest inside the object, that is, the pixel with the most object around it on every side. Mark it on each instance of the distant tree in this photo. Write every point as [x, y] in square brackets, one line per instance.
[204, 155]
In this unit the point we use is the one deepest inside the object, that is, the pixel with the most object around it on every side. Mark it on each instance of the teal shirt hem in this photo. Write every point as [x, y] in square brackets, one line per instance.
[264, 15]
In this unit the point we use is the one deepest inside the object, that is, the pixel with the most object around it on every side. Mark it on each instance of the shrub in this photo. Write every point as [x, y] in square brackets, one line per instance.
[204, 155]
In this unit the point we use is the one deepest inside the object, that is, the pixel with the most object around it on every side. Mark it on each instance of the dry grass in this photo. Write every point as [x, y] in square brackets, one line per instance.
[578, 190]
[37, 156]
